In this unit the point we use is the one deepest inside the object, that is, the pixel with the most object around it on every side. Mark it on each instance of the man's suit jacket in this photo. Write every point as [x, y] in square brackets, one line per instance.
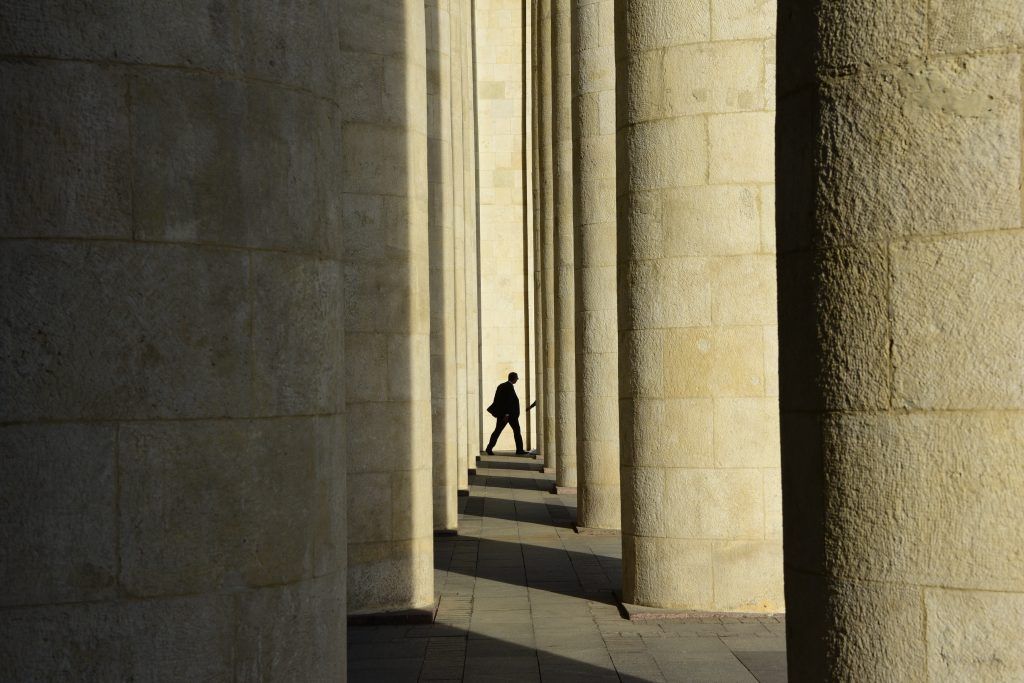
[505, 401]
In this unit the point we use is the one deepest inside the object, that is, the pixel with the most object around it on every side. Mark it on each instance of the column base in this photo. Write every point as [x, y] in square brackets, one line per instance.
[398, 617]
[639, 613]
[446, 532]
[559, 490]
[463, 493]
[472, 471]
[594, 531]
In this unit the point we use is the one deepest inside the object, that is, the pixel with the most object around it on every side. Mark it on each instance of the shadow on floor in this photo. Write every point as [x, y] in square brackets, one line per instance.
[450, 653]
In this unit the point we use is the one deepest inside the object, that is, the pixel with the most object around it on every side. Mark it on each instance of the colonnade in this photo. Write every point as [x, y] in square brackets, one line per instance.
[241, 319]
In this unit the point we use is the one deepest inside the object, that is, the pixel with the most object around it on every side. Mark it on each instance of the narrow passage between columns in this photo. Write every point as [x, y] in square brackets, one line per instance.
[522, 597]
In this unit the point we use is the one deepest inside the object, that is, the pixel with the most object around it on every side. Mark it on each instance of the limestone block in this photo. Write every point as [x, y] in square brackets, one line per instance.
[882, 627]
[743, 290]
[718, 503]
[71, 149]
[644, 503]
[298, 326]
[673, 433]
[377, 157]
[189, 188]
[393, 576]
[305, 646]
[979, 627]
[670, 153]
[654, 24]
[741, 147]
[893, 501]
[192, 34]
[643, 355]
[332, 514]
[185, 638]
[957, 25]
[58, 510]
[671, 572]
[285, 42]
[885, 31]
[773, 504]
[748, 576]
[645, 279]
[717, 361]
[720, 77]
[410, 509]
[712, 219]
[856, 335]
[745, 431]
[186, 521]
[146, 331]
[369, 515]
[743, 19]
[366, 367]
[956, 167]
[938, 325]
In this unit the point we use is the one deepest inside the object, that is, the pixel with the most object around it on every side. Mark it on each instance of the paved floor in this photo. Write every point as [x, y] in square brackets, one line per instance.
[522, 597]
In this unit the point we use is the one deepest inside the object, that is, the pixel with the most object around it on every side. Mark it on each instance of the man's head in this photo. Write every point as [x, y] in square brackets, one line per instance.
[513, 377]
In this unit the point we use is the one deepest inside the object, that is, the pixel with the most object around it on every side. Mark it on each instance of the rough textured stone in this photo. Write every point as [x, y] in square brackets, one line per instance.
[901, 360]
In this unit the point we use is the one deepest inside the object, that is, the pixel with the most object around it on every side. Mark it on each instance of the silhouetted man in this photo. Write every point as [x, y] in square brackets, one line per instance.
[505, 410]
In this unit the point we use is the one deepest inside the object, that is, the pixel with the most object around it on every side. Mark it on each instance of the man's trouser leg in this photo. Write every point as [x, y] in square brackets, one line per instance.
[517, 434]
[498, 427]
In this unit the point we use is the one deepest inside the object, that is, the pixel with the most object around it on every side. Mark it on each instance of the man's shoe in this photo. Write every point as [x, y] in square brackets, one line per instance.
[522, 452]
[489, 452]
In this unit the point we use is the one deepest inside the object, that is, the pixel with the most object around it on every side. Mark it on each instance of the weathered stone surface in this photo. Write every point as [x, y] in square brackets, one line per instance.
[59, 514]
[901, 356]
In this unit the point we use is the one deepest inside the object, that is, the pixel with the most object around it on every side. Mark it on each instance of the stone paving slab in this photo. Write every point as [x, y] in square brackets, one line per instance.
[522, 597]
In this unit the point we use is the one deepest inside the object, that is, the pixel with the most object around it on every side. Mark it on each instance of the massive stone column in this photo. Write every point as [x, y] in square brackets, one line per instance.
[597, 370]
[697, 314]
[549, 446]
[387, 317]
[476, 438]
[901, 270]
[456, 12]
[564, 256]
[441, 200]
[537, 227]
[172, 471]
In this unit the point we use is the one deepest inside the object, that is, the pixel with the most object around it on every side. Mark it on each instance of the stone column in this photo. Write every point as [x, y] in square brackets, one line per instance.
[901, 270]
[549, 446]
[172, 470]
[442, 266]
[476, 438]
[387, 318]
[697, 313]
[564, 275]
[458, 52]
[597, 357]
[538, 269]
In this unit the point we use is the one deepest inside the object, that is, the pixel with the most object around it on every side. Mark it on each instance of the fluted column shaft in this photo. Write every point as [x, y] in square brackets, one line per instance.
[564, 254]
[441, 217]
[597, 371]
[901, 269]
[547, 237]
[697, 315]
[387, 321]
[172, 471]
